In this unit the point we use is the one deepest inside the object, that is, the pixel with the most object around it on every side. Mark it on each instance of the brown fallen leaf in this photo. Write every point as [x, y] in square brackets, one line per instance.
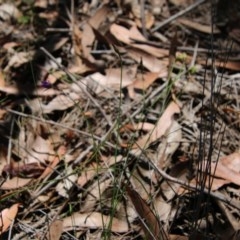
[161, 127]
[225, 171]
[15, 183]
[60, 102]
[117, 77]
[55, 230]
[232, 161]
[145, 80]
[99, 17]
[232, 65]
[87, 41]
[94, 220]
[128, 36]
[30, 170]
[37, 92]
[151, 225]
[152, 63]
[79, 67]
[7, 216]
[87, 174]
[51, 16]
[18, 59]
[41, 3]
[88, 35]
[149, 20]
[2, 79]
[145, 126]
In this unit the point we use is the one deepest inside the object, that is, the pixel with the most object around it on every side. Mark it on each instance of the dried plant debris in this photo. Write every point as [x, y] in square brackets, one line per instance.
[119, 119]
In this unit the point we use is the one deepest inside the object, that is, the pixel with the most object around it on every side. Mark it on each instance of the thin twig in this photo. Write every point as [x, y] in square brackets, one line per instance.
[143, 20]
[177, 15]
[62, 30]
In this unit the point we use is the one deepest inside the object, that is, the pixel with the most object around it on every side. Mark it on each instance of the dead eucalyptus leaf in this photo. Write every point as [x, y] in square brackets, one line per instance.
[7, 216]
[94, 220]
[151, 226]
[225, 171]
[152, 63]
[145, 80]
[55, 230]
[162, 125]
[128, 36]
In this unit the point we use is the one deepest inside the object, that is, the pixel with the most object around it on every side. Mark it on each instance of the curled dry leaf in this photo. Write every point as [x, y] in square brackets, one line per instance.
[94, 220]
[7, 216]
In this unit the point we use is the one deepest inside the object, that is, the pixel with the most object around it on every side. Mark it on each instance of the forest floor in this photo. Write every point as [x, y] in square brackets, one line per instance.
[118, 120]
